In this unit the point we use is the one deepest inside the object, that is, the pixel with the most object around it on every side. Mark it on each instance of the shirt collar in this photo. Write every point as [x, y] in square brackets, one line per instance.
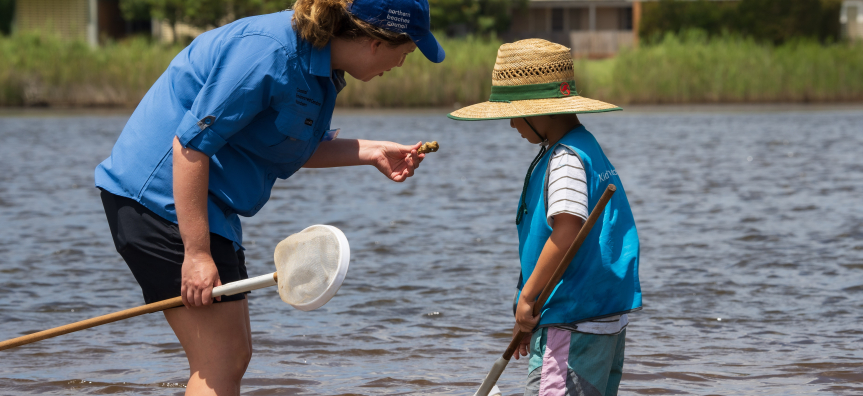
[319, 64]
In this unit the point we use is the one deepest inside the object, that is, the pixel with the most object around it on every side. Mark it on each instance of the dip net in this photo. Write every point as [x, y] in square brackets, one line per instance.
[311, 266]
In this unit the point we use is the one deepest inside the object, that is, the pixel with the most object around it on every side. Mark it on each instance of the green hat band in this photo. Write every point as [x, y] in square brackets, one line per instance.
[533, 91]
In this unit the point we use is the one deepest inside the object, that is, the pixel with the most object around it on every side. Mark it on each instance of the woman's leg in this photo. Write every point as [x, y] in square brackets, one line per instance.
[217, 340]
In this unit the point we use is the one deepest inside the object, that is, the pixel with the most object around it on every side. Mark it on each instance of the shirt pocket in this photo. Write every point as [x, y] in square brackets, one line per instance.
[290, 139]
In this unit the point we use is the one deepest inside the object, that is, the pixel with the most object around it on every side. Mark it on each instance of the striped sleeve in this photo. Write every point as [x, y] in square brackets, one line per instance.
[567, 186]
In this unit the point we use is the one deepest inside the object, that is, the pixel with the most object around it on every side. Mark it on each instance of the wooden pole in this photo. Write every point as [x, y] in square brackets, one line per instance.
[92, 322]
[564, 264]
[232, 288]
[501, 363]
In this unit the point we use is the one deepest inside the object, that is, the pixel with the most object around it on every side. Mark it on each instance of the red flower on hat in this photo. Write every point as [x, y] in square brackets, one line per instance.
[564, 88]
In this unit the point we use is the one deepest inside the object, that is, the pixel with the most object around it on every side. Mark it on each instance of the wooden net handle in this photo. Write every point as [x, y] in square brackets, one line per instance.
[227, 289]
[92, 322]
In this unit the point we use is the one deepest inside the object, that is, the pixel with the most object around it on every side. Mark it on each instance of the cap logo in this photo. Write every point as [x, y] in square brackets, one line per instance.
[564, 88]
[398, 19]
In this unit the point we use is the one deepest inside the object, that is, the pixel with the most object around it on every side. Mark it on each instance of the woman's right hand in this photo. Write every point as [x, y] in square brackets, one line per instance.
[200, 276]
[396, 161]
[199, 273]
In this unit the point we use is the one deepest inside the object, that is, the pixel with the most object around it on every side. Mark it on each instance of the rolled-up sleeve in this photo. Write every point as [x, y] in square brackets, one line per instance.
[247, 73]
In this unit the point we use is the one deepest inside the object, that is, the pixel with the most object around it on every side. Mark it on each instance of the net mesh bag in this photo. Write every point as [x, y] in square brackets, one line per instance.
[308, 265]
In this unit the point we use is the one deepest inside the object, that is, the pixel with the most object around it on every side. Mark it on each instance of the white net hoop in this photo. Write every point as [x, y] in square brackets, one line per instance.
[311, 266]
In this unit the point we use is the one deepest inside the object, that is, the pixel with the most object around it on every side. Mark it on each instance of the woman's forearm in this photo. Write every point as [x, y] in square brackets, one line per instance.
[191, 178]
[343, 152]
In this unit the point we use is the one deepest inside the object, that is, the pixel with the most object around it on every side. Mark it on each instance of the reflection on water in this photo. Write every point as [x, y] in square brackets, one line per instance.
[751, 218]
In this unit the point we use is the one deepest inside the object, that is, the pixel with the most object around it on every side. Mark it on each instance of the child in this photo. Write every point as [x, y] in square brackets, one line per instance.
[577, 348]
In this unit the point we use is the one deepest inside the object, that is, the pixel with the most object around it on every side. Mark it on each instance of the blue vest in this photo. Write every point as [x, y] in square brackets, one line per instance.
[602, 279]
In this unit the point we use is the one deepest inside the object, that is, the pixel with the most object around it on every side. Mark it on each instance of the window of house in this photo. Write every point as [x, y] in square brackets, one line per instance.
[537, 20]
[557, 19]
[625, 18]
[575, 19]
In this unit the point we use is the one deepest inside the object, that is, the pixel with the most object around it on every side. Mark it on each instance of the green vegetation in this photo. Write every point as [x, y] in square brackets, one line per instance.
[464, 77]
[7, 10]
[691, 68]
[677, 69]
[200, 13]
[774, 21]
[455, 17]
[474, 16]
[44, 70]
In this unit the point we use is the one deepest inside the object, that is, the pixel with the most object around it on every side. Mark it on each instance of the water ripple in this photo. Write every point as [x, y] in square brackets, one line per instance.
[752, 256]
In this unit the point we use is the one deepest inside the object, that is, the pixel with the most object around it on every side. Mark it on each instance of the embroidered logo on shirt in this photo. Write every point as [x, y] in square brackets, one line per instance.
[564, 88]
[303, 100]
[309, 121]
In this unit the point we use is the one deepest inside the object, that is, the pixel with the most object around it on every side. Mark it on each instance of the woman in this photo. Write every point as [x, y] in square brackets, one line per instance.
[241, 106]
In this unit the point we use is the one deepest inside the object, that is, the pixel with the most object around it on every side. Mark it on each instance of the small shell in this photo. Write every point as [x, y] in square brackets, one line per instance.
[429, 147]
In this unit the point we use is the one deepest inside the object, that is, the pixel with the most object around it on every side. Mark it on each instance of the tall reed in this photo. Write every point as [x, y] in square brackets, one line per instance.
[694, 69]
[37, 69]
[44, 70]
[464, 77]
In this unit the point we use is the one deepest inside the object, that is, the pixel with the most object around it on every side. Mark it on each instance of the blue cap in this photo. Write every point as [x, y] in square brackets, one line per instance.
[402, 16]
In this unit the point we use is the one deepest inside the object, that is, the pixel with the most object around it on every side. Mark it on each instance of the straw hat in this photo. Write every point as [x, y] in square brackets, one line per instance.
[532, 77]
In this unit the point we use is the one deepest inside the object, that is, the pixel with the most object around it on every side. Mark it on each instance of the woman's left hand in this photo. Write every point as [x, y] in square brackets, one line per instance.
[397, 161]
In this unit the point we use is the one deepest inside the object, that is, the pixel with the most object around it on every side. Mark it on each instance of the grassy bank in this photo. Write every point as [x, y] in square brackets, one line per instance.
[45, 70]
[464, 77]
[689, 69]
[38, 71]
[727, 70]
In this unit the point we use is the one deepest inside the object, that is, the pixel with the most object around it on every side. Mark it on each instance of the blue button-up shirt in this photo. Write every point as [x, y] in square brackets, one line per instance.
[252, 95]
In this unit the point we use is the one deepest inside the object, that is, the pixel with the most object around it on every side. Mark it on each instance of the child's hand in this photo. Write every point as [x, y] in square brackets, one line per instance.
[524, 347]
[524, 318]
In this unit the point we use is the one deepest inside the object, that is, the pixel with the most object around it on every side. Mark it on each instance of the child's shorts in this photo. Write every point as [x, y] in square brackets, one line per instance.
[153, 250]
[571, 363]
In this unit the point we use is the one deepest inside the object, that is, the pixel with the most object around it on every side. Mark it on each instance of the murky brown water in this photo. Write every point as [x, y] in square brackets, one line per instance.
[754, 218]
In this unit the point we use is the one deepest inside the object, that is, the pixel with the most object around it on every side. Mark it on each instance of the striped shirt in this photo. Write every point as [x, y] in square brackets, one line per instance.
[566, 186]
[566, 192]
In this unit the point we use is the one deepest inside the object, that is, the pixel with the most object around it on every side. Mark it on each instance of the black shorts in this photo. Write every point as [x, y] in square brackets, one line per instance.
[153, 249]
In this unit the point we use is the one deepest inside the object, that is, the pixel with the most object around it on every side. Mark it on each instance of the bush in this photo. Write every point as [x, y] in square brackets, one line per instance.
[669, 16]
[7, 12]
[774, 21]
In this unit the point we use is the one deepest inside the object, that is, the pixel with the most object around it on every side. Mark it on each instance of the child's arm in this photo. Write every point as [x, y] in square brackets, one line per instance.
[564, 231]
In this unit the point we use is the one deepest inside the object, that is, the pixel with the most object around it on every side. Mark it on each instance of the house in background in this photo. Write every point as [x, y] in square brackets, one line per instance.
[592, 28]
[851, 19]
[90, 20]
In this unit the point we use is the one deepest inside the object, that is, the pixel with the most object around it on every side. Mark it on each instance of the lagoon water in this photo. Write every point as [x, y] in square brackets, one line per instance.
[751, 226]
